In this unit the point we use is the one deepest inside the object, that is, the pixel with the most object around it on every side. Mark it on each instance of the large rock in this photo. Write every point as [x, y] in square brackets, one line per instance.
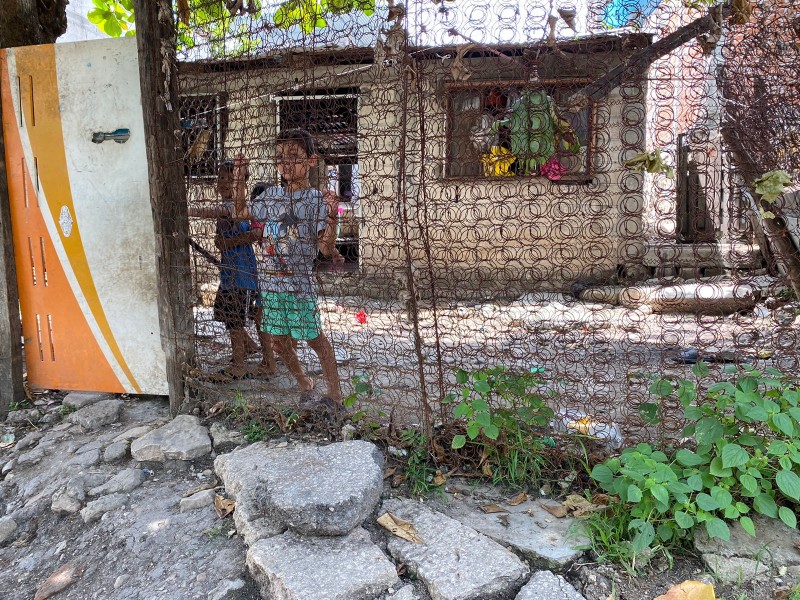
[132, 434]
[96, 509]
[96, 415]
[326, 490]
[62, 503]
[116, 451]
[224, 439]
[292, 567]
[7, 528]
[745, 557]
[546, 542]
[455, 562]
[123, 482]
[183, 438]
[546, 586]
[78, 400]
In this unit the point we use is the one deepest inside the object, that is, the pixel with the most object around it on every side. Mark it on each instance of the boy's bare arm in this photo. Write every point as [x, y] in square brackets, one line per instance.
[243, 239]
[240, 210]
[209, 212]
[326, 240]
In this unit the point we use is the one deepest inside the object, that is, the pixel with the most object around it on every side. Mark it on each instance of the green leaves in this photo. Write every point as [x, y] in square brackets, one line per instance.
[747, 525]
[689, 459]
[310, 14]
[650, 413]
[772, 184]
[650, 162]
[603, 475]
[708, 430]
[733, 455]
[789, 484]
[717, 528]
[787, 516]
[112, 17]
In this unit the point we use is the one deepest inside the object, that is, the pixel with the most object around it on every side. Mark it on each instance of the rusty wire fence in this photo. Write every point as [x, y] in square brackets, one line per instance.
[490, 217]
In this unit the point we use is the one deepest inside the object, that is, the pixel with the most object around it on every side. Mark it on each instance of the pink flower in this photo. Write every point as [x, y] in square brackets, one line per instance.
[552, 169]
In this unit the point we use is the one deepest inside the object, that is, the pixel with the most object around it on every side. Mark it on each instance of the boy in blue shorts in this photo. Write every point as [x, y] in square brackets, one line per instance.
[238, 297]
[297, 221]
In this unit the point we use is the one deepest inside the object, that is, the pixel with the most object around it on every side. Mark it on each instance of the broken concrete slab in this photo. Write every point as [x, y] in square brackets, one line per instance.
[454, 561]
[97, 508]
[29, 440]
[546, 542]
[183, 438]
[544, 585]
[78, 400]
[326, 490]
[293, 567]
[125, 481]
[85, 459]
[98, 414]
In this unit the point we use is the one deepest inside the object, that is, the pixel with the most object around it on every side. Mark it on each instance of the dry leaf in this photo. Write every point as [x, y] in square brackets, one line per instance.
[689, 590]
[399, 527]
[518, 499]
[503, 520]
[199, 145]
[580, 506]
[217, 408]
[557, 510]
[493, 508]
[487, 470]
[601, 499]
[223, 506]
[389, 472]
[439, 479]
[438, 451]
[62, 578]
[398, 479]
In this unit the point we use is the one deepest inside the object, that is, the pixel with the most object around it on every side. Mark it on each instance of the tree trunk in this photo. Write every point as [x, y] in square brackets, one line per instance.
[155, 36]
[29, 22]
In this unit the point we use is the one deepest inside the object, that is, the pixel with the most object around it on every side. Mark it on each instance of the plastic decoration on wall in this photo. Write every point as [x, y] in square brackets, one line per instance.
[497, 162]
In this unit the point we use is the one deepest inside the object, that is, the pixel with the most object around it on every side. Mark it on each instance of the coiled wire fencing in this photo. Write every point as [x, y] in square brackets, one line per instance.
[565, 188]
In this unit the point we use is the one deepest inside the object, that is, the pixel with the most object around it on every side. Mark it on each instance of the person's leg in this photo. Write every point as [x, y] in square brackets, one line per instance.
[306, 325]
[267, 365]
[327, 360]
[288, 353]
[239, 338]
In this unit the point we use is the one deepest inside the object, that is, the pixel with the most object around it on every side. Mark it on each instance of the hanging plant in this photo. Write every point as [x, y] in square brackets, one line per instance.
[650, 162]
[771, 185]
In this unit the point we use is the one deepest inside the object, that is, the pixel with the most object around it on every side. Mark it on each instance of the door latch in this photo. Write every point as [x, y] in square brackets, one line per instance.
[120, 136]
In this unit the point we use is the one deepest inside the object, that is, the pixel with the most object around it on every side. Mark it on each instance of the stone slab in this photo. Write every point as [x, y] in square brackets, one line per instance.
[116, 451]
[123, 482]
[198, 500]
[775, 544]
[293, 567]
[454, 561]
[545, 541]
[78, 400]
[544, 585]
[224, 439]
[327, 490]
[734, 570]
[183, 438]
[97, 415]
[97, 508]
[133, 433]
[7, 528]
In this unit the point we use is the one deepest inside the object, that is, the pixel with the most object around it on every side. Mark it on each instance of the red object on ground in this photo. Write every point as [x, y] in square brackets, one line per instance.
[361, 317]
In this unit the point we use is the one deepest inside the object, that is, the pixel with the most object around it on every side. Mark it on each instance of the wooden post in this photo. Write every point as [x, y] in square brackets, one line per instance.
[155, 37]
[11, 385]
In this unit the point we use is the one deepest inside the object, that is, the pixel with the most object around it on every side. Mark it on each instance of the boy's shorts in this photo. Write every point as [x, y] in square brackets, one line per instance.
[234, 306]
[286, 314]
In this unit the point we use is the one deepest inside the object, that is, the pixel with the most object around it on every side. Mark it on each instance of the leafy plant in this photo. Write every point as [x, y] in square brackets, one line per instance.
[310, 14]
[745, 459]
[500, 411]
[769, 187]
[254, 431]
[66, 410]
[650, 162]
[213, 22]
[418, 469]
